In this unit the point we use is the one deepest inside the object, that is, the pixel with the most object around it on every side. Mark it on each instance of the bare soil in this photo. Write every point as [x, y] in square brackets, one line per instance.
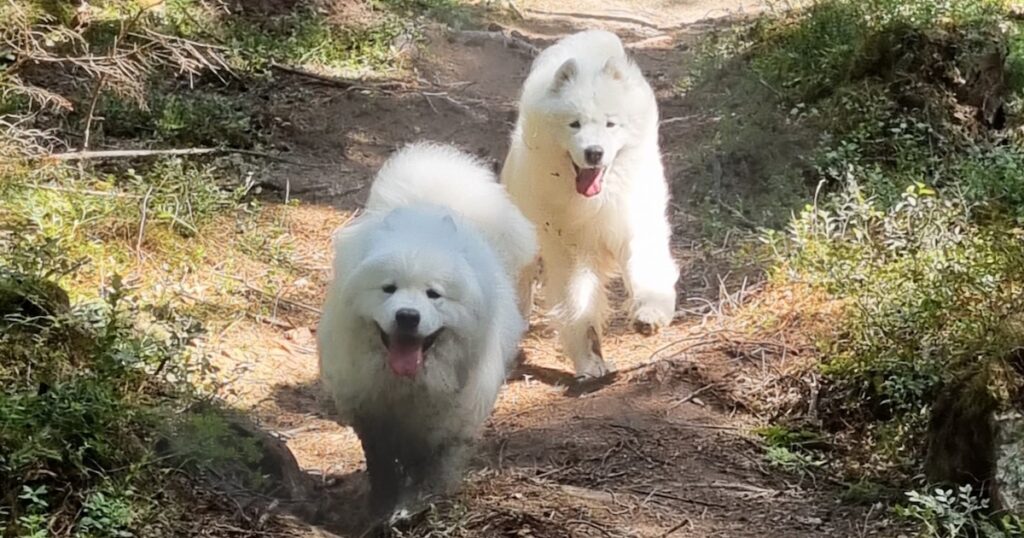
[663, 449]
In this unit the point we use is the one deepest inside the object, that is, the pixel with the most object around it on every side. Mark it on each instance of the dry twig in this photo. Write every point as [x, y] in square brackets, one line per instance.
[134, 153]
[348, 84]
[509, 39]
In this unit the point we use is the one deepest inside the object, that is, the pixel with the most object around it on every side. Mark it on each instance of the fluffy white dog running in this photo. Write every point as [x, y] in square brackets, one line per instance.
[421, 323]
[585, 167]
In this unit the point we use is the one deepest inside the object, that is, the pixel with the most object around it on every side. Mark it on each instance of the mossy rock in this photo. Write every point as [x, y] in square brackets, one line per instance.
[31, 297]
[976, 436]
[1009, 474]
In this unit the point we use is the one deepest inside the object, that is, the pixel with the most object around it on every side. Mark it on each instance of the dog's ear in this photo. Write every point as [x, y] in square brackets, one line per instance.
[564, 75]
[616, 67]
[450, 222]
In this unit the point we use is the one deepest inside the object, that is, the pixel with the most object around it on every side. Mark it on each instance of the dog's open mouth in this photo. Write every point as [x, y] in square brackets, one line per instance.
[406, 351]
[588, 180]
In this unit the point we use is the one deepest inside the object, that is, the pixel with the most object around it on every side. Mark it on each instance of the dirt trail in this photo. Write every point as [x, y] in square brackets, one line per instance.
[663, 449]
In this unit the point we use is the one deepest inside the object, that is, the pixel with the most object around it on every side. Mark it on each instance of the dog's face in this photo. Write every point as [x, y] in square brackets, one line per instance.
[415, 299]
[592, 118]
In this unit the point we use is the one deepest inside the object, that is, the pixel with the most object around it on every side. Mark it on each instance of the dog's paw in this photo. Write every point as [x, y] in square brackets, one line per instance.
[591, 368]
[648, 320]
[645, 328]
[590, 363]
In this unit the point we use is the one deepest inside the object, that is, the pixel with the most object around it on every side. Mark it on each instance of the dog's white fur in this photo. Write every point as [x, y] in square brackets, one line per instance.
[436, 219]
[428, 173]
[588, 78]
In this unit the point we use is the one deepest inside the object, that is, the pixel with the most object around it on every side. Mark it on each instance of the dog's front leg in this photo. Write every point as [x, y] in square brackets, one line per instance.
[381, 449]
[524, 288]
[651, 274]
[579, 308]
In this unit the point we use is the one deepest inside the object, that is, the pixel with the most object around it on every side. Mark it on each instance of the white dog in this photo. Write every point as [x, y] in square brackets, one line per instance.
[585, 168]
[421, 323]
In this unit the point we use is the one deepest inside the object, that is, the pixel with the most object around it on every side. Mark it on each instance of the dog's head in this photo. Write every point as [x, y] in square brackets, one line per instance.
[596, 115]
[413, 289]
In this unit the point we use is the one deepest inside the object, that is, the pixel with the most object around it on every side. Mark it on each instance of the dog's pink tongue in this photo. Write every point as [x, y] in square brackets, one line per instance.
[405, 358]
[588, 181]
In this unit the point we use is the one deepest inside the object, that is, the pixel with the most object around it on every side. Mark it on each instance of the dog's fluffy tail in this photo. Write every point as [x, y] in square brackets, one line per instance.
[429, 173]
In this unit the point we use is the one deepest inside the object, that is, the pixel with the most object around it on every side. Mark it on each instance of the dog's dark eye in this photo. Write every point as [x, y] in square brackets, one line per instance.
[433, 294]
[610, 124]
[389, 289]
[575, 125]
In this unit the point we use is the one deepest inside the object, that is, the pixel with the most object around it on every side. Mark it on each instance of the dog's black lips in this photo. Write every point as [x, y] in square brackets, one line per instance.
[385, 338]
[429, 340]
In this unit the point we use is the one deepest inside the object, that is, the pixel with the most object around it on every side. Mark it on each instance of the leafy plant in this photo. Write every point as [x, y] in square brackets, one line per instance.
[908, 112]
[956, 513]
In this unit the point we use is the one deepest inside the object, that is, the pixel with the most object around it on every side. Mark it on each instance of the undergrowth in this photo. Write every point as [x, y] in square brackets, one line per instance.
[107, 291]
[85, 384]
[300, 36]
[97, 360]
[915, 200]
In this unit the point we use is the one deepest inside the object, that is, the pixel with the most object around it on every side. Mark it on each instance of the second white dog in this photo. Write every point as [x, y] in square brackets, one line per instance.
[585, 167]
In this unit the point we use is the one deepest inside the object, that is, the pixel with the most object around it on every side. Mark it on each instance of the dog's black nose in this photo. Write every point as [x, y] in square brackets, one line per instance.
[407, 319]
[593, 155]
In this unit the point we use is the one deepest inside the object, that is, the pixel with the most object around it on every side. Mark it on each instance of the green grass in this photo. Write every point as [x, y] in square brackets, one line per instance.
[306, 37]
[181, 117]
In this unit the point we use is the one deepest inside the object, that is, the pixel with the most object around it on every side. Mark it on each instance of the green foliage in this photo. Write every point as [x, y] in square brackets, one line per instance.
[82, 389]
[794, 451]
[915, 225]
[88, 384]
[898, 91]
[183, 118]
[944, 513]
[841, 41]
[209, 440]
[92, 377]
[56, 221]
[932, 293]
[302, 36]
[451, 12]
[779, 436]
[793, 461]
[110, 510]
[949, 513]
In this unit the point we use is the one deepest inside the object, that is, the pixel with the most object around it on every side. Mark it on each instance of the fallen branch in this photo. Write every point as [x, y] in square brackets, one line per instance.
[749, 488]
[124, 153]
[509, 39]
[685, 522]
[83, 192]
[455, 102]
[660, 495]
[275, 298]
[142, 222]
[677, 119]
[515, 9]
[699, 426]
[689, 397]
[133, 153]
[273, 322]
[735, 299]
[348, 84]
